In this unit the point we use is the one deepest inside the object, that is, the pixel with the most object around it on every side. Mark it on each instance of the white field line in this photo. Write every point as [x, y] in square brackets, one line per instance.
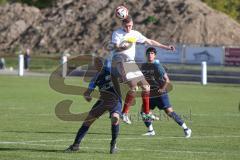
[128, 138]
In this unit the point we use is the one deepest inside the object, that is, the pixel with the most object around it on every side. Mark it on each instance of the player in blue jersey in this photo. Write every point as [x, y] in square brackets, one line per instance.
[159, 81]
[108, 101]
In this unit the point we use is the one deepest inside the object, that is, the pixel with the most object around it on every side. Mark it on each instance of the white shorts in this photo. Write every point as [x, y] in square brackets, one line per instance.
[127, 69]
[132, 71]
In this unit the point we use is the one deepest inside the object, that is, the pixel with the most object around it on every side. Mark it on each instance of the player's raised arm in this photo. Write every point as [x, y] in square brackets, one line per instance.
[157, 44]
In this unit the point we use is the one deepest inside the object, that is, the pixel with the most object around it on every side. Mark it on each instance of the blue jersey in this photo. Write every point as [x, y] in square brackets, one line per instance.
[154, 73]
[103, 81]
[107, 101]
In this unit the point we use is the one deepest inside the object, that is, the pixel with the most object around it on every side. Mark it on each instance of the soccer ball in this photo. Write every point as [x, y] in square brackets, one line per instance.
[121, 12]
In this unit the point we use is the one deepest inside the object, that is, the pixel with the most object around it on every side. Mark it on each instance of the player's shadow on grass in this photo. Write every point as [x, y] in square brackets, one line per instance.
[61, 132]
[37, 132]
[31, 150]
[55, 132]
[82, 151]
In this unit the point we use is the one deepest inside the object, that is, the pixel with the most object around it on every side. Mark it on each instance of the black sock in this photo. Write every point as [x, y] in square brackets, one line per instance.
[176, 118]
[147, 124]
[115, 132]
[81, 133]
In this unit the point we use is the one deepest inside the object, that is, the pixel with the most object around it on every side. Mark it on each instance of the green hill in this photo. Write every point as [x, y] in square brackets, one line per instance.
[230, 7]
[83, 27]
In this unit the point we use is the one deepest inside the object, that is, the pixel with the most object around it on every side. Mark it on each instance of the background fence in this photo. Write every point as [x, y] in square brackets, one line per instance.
[190, 54]
[223, 63]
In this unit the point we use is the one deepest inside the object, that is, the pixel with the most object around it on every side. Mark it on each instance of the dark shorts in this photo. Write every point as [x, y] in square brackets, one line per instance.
[162, 102]
[106, 103]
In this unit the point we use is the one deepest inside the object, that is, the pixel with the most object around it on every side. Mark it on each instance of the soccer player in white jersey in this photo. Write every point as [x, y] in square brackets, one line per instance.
[124, 40]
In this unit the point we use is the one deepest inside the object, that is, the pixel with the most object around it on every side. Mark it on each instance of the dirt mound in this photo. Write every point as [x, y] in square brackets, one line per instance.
[86, 26]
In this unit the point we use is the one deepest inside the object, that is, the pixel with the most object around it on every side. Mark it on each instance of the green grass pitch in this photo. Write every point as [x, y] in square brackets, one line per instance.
[29, 128]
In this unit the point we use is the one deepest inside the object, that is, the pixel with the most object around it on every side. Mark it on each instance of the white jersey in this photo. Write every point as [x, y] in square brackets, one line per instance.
[120, 35]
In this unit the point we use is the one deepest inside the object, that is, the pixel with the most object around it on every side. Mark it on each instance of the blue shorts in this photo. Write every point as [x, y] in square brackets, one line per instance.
[162, 102]
[110, 104]
[117, 108]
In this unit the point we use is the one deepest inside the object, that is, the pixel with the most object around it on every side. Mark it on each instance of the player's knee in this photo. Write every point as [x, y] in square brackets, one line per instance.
[115, 118]
[146, 88]
[134, 88]
[131, 92]
[169, 111]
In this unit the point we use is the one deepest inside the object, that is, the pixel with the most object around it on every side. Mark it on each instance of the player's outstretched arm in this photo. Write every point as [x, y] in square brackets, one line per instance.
[157, 44]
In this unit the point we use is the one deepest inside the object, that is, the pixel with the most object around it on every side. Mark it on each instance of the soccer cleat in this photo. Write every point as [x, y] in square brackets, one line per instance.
[113, 148]
[126, 119]
[155, 118]
[149, 133]
[72, 148]
[187, 132]
[148, 117]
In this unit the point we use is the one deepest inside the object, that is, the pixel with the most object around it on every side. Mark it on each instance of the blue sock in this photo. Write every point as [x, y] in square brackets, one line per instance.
[115, 132]
[81, 133]
[176, 118]
[147, 124]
